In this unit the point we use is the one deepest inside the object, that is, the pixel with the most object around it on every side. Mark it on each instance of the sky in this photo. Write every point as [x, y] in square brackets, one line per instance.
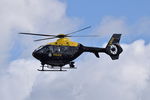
[95, 78]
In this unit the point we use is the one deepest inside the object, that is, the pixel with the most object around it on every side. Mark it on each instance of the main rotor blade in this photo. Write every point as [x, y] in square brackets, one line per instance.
[79, 30]
[85, 36]
[44, 39]
[36, 34]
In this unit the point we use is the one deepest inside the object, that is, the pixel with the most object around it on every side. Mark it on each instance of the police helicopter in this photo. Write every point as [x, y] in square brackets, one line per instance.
[56, 55]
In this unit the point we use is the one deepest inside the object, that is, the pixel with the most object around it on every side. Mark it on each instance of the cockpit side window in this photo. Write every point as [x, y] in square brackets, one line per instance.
[61, 49]
[57, 49]
[39, 48]
[43, 49]
[51, 48]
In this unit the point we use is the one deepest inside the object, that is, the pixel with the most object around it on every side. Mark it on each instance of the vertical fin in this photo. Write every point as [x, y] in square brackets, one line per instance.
[114, 39]
[113, 49]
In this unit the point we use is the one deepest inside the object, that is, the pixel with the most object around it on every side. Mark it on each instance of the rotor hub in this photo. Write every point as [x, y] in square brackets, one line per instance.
[61, 36]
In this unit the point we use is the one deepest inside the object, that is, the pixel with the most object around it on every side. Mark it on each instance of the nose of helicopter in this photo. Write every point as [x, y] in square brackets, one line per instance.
[36, 54]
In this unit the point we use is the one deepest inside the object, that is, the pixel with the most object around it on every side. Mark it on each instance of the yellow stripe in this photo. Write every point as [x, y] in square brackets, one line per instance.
[111, 41]
[64, 42]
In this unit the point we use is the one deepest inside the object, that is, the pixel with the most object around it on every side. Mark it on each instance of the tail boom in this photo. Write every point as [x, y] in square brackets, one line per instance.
[113, 48]
[94, 50]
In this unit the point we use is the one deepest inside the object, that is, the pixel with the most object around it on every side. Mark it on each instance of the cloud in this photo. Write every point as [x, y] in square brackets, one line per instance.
[30, 16]
[17, 76]
[110, 25]
[136, 29]
[142, 26]
[18, 80]
[124, 79]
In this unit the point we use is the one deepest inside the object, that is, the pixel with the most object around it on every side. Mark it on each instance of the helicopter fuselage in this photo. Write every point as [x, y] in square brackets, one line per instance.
[64, 51]
[56, 55]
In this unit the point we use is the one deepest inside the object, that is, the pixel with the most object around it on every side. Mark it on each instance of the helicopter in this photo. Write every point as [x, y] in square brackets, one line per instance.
[55, 55]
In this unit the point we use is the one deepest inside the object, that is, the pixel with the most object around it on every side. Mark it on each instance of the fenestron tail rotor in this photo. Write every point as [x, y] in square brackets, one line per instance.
[60, 35]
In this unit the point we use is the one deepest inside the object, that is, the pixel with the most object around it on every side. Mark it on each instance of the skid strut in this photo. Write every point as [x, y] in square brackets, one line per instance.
[56, 68]
[51, 68]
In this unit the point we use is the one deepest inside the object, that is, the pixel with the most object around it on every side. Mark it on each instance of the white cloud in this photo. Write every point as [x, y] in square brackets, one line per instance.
[17, 77]
[48, 16]
[18, 80]
[124, 79]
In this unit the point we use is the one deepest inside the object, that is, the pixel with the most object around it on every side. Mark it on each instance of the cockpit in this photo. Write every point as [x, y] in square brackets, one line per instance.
[39, 48]
[48, 48]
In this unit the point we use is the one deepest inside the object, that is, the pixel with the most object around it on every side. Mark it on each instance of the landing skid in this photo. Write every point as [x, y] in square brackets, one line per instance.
[50, 70]
[55, 68]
